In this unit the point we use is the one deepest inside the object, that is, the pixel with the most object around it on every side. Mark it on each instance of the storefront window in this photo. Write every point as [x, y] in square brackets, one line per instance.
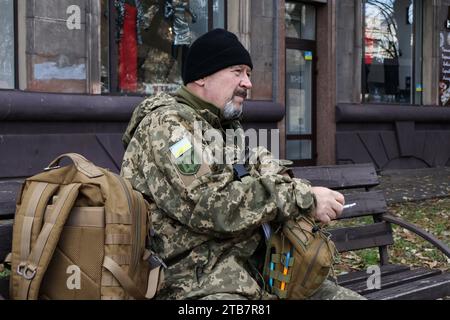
[61, 50]
[6, 44]
[300, 21]
[150, 41]
[392, 68]
[219, 13]
[105, 52]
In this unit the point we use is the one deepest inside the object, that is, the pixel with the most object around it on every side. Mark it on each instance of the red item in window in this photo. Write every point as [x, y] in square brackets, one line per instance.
[128, 51]
[368, 58]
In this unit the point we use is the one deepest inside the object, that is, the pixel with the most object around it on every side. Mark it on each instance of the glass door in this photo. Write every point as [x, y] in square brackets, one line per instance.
[300, 99]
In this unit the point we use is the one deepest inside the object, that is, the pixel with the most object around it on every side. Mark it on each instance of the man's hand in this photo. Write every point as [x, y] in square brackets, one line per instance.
[329, 204]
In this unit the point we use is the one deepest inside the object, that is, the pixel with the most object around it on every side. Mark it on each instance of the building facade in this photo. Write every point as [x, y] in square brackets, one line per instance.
[344, 81]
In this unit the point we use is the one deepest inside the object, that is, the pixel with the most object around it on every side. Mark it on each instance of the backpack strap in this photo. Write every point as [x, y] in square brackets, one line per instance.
[123, 278]
[153, 282]
[32, 271]
[83, 165]
[41, 194]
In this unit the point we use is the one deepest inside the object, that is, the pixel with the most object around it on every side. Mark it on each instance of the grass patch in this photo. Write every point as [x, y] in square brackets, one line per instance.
[409, 249]
[4, 273]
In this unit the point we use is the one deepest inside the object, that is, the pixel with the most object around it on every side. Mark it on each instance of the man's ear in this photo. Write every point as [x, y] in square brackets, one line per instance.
[200, 82]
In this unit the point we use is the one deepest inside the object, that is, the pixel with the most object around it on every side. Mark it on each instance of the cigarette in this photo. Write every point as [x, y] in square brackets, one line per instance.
[349, 205]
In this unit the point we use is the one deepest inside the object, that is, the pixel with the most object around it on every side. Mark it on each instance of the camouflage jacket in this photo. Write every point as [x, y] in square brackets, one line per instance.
[207, 222]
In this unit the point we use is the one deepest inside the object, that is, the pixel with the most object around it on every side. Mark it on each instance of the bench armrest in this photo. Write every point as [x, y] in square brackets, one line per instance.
[420, 232]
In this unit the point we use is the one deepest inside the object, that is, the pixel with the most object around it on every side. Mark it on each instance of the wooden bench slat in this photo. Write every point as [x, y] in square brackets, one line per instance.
[5, 238]
[357, 276]
[362, 237]
[339, 177]
[424, 289]
[392, 280]
[367, 203]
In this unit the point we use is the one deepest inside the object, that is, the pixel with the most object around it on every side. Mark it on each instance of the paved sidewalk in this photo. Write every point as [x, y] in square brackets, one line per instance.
[415, 184]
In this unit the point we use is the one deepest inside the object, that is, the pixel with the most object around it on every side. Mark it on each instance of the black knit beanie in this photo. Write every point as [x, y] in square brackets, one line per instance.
[214, 51]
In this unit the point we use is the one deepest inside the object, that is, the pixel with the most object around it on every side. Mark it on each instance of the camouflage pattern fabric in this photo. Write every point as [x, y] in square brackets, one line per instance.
[331, 291]
[207, 223]
[328, 291]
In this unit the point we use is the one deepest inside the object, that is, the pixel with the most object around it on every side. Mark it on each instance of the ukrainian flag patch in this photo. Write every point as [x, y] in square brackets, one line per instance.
[181, 147]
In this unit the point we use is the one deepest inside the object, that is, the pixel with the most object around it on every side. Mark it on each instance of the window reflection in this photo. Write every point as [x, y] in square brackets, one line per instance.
[298, 91]
[152, 41]
[6, 44]
[389, 51]
[300, 20]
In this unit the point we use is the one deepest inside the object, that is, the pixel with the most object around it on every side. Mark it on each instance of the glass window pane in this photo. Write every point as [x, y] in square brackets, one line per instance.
[298, 91]
[105, 45]
[218, 13]
[299, 149]
[57, 47]
[389, 53]
[444, 84]
[6, 44]
[417, 9]
[150, 60]
[300, 20]
[200, 7]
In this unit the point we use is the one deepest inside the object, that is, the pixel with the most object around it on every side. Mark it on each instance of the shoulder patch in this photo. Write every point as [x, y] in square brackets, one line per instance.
[186, 163]
[180, 148]
[188, 166]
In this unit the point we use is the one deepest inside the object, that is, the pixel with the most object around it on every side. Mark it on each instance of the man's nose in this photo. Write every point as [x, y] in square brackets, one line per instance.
[246, 82]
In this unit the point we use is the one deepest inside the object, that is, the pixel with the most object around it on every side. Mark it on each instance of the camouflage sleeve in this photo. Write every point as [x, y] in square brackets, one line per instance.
[262, 163]
[206, 197]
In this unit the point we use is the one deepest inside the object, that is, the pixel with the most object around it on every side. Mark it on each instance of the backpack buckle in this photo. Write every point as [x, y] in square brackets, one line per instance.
[154, 260]
[26, 271]
[19, 268]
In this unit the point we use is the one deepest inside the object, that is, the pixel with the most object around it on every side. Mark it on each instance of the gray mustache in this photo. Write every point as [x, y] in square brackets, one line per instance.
[242, 94]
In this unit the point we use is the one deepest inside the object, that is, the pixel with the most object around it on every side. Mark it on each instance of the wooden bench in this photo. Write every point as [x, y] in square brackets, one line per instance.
[357, 181]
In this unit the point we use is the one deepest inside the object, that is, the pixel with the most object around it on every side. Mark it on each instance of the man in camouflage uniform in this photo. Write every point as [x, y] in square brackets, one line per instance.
[208, 218]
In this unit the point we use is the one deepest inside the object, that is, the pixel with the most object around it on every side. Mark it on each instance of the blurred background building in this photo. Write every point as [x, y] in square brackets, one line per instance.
[345, 81]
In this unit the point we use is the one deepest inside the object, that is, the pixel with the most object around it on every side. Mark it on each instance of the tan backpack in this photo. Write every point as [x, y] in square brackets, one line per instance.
[80, 232]
[299, 258]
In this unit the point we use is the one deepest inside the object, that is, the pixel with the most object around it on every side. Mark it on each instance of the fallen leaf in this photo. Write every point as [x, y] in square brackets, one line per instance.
[432, 264]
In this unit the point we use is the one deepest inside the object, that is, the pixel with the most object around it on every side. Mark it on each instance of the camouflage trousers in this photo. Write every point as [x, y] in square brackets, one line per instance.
[328, 291]
[331, 291]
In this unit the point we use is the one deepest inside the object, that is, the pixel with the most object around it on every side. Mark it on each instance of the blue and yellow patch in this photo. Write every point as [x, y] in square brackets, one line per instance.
[184, 155]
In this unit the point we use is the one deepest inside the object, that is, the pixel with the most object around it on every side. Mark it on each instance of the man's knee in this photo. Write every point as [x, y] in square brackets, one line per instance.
[224, 296]
[331, 291]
